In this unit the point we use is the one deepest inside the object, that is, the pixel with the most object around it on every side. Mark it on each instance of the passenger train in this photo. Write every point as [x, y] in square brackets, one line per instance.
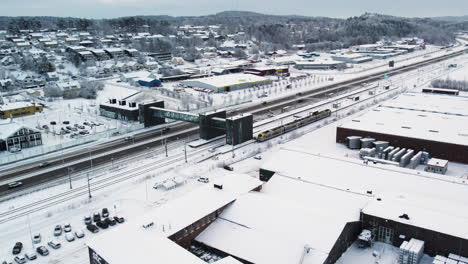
[314, 117]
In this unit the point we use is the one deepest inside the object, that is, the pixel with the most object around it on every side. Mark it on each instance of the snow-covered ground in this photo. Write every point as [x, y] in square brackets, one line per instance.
[136, 195]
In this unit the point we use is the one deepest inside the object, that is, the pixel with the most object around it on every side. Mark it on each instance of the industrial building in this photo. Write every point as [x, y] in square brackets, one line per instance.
[400, 204]
[168, 230]
[19, 109]
[264, 71]
[423, 122]
[354, 58]
[320, 65]
[227, 83]
[121, 110]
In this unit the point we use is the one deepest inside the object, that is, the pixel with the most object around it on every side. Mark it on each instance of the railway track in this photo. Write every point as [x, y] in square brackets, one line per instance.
[153, 137]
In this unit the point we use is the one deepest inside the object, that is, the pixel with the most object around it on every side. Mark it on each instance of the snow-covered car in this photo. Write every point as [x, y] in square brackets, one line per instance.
[203, 179]
[43, 251]
[87, 220]
[20, 259]
[67, 228]
[54, 244]
[69, 237]
[37, 238]
[31, 255]
[79, 233]
[57, 230]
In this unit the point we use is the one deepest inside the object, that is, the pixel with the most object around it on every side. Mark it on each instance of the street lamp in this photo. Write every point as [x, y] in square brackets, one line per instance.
[69, 176]
[89, 186]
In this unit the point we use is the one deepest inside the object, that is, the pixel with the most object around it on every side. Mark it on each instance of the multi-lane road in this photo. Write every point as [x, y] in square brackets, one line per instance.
[111, 151]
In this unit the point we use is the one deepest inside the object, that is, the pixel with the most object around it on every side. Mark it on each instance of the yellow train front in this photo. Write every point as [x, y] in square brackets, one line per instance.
[314, 117]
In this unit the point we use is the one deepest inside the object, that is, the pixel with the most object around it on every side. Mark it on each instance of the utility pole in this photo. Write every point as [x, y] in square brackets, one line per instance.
[185, 150]
[69, 177]
[89, 186]
[165, 146]
[30, 232]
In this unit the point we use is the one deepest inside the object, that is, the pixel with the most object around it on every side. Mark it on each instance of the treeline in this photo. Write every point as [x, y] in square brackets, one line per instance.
[279, 31]
[450, 84]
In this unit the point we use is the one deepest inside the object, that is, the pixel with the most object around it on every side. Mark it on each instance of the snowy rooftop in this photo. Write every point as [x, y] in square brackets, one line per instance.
[228, 260]
[228, 80]
[439, 120]
[8, 128]
[14, 105]
[290, 209]
[420, 192]
[127, 244]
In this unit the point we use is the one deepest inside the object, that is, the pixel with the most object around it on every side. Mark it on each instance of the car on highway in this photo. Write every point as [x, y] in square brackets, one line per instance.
[229, 168]
[17, 248]
[44, 164]
[92, 228]
[13, 185]
[67, 228]
[15, 149]
[20, 259]
[31, 255]
[105, 212]
[36, 238]
[129, 138]
[69, 237]
[96, 217]
[43, 251]
[57, 230]
[203, 179]
[79, 233]
[211, 150]
[88, 220]
[119, 219]
[166, 129]
[54, 244]
[102, 224]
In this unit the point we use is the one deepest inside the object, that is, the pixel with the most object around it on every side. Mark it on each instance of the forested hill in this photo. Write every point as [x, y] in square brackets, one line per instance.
[282, 30]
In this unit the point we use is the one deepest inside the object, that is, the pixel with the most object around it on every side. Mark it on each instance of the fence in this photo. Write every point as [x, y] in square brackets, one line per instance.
[45, 149]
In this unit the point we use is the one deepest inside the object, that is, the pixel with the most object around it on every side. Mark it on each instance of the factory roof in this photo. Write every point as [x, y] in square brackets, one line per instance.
[228, 80]
[401, 190]
[423, 120]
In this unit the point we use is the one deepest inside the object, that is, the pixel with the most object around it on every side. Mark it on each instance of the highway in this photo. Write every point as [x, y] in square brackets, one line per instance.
[113, 151]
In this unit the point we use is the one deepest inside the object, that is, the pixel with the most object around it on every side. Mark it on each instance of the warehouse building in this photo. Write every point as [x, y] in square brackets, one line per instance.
[264, 71]
[320, 65]
[227, 83]
[354, 58]
[401, 203]
[19, 109]
[437, 124]
[163, 234]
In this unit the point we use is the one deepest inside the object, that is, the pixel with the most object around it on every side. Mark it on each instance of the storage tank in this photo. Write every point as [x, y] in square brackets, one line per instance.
[367, 142]
[353, 142]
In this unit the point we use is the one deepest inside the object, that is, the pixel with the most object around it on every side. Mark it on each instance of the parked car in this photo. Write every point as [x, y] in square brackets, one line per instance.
[37, 238]
[45, 127]
[74, 129]
[43, 251]
[102, 224]
[68, 127]
[96, 217]
[54, 244]
[13, 185]
[14, 149]
[81, 127]
[86, 124]
[258, 157]
[87, 220]
[5, 262]
[119, 220]
[17, 248]
[110, 221]
[105, 212]
[66, 122]
[20, 259]
[57, 230]
[31, 255]
[229, 168]
[67, 227]
[203, 179]
[44, 164]
[92, 228]
[69, 237]
[79, 233]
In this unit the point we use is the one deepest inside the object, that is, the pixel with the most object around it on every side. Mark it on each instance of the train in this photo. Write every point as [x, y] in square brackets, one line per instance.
[314, 117]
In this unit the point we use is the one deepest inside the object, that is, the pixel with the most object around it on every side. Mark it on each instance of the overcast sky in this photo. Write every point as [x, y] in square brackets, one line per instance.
[329, 8]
